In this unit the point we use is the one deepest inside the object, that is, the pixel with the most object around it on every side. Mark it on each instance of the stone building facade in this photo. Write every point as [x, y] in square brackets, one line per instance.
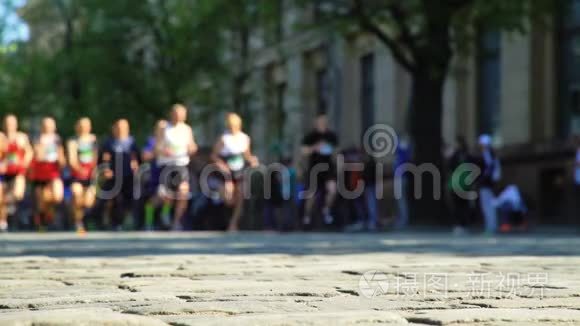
[523, 89]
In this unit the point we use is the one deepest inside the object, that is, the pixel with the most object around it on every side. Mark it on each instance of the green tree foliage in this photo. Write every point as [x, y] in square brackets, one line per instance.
[130, 58]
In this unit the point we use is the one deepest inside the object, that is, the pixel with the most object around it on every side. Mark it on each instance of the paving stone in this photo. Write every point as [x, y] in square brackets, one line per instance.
[74, 317]
[268, 279]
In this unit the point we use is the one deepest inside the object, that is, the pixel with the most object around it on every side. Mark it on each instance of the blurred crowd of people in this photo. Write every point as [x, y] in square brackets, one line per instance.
[85, 183]
[502, 207]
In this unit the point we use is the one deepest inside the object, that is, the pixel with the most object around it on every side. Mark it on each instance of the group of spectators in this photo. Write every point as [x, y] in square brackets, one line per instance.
[502, 209]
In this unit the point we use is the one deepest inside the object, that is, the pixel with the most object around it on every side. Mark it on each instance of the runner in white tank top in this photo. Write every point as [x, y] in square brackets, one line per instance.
[175, 144]
[231, 153]
[234, 148]
[173, 153]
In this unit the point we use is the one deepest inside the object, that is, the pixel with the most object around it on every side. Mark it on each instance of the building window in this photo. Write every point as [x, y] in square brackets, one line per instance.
[367, 92]
[321, 91]
[569, 87]
[489, 81]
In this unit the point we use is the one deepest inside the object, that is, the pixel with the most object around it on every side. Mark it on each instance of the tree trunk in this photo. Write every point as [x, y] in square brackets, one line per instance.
[426, 132]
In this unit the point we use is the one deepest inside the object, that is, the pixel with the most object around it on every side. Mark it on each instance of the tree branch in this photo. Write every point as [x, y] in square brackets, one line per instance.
[365, 22]
[400, 18]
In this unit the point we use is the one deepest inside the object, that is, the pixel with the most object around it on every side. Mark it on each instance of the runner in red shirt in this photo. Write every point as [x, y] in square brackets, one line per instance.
[45, 172]
[16, 156]
[82, 159]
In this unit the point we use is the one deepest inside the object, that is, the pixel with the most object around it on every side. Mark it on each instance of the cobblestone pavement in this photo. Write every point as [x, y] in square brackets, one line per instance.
[259, 278]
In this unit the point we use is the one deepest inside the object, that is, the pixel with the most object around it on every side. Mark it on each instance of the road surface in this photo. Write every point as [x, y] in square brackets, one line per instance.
[422, 278]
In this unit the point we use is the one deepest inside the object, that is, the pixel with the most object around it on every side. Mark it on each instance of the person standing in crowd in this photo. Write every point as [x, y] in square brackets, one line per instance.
[45, 168]
[232, 153]
[319, 145]
[148, 156]
[120, 157]
[457, 186]
[512, 209]
[372, 183]
[173, 151]
[490, 176]
[365, 205]
[82, 152]
[402, 157]
[278, 210]
[16, 156]
[577, 176]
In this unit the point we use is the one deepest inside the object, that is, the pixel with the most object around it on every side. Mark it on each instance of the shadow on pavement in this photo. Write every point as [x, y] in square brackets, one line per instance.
[202, 243]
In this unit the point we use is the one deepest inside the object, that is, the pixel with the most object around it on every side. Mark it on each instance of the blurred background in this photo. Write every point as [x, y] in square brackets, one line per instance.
[432, 70]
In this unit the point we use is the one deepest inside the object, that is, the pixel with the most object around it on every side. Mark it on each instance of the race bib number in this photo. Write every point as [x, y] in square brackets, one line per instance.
[51, 153]
[178, 150]
[85, 154]
[12, 159]
[236, 163]
[326, 149]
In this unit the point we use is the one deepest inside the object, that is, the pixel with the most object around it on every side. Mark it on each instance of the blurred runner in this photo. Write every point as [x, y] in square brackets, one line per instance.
[45, 172]
[232, 153]
[320, 146]
[491, 175]
[82, 159]
[459, 168]
[403, 156]
[174, 149]
[152, 183]
[119, 156]
[16, 156]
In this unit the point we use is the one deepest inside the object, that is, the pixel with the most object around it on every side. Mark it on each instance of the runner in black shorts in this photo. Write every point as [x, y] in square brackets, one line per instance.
[319, 146]
[231, 153]
[120, 158]
[149, 157]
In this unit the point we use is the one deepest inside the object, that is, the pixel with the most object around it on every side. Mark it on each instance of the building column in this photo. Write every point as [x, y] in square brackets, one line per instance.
[449, 114]
[259, 109]
[294, 104]
[385, 87]
[350, 115]
[466, 86]
[543, 76]
[515, 113]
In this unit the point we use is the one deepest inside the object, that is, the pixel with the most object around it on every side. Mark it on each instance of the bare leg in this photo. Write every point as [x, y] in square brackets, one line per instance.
[308, 205]
[77, 204]
[40, 205]
[238, 208]
[180, 204]
[57, 191]
[77, 201]
[3, 215]
[18, 188]
[89, 197]
[330, 194]
[229, 193]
